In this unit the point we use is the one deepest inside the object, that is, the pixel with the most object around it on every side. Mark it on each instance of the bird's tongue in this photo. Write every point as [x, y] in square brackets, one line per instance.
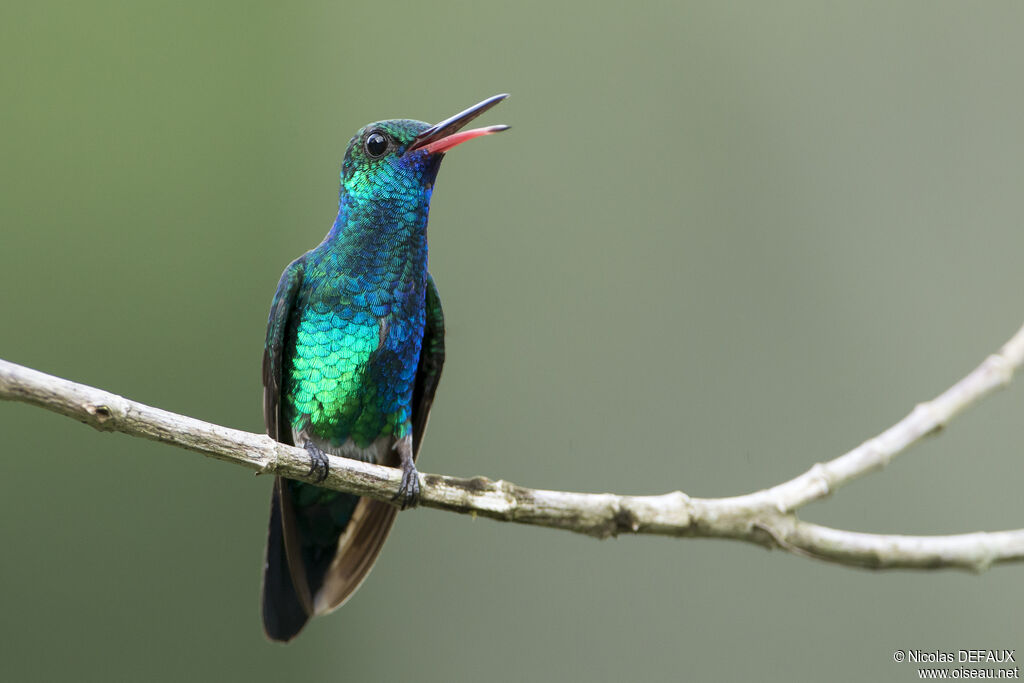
[446, 143]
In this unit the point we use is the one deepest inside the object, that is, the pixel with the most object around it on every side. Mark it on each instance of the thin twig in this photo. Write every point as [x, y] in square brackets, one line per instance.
[765, 517]
[928, 418]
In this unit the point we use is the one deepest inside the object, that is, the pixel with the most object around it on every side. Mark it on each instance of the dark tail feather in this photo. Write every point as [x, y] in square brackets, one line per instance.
[357, 553]
[283, 612]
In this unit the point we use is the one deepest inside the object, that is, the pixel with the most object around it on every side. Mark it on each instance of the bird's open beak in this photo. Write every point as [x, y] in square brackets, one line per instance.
[441, 137]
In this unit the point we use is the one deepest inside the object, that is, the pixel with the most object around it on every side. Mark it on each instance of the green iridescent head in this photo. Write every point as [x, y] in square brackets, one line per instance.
[391, 165]
[376, 165]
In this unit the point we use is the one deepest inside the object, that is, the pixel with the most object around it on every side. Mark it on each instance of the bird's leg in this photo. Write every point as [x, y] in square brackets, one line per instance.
[318, 467]
[409, 492]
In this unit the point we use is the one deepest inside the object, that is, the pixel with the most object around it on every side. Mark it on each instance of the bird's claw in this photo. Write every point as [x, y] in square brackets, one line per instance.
[408, 495]
[318, 466]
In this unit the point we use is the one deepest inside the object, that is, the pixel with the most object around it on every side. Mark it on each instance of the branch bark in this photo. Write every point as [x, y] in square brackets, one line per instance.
[765, 517]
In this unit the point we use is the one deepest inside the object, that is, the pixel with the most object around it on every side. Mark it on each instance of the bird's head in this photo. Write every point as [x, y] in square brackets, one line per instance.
[396, 161]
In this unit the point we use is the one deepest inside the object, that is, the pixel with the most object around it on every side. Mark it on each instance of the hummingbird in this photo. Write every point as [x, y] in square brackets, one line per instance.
[353, 356]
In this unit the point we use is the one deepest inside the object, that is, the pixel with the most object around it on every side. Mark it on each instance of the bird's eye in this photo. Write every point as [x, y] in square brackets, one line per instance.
[376, 145]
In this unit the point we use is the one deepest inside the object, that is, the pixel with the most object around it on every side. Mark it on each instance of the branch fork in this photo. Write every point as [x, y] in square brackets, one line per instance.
[766, 517]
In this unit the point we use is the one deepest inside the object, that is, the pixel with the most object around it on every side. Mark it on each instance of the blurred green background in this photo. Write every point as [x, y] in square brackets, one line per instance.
[720, 243]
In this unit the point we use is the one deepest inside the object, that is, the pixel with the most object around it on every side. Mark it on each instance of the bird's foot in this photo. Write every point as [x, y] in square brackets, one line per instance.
[409, 492]
[408, 495]
[318, 467]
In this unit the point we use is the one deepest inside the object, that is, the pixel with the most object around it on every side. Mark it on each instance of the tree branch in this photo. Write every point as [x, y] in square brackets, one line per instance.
[926, 419]
[764, 517]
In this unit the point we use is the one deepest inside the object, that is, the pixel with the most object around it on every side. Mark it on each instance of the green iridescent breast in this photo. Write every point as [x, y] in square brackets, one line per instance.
[351, 358]
[332, 353]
